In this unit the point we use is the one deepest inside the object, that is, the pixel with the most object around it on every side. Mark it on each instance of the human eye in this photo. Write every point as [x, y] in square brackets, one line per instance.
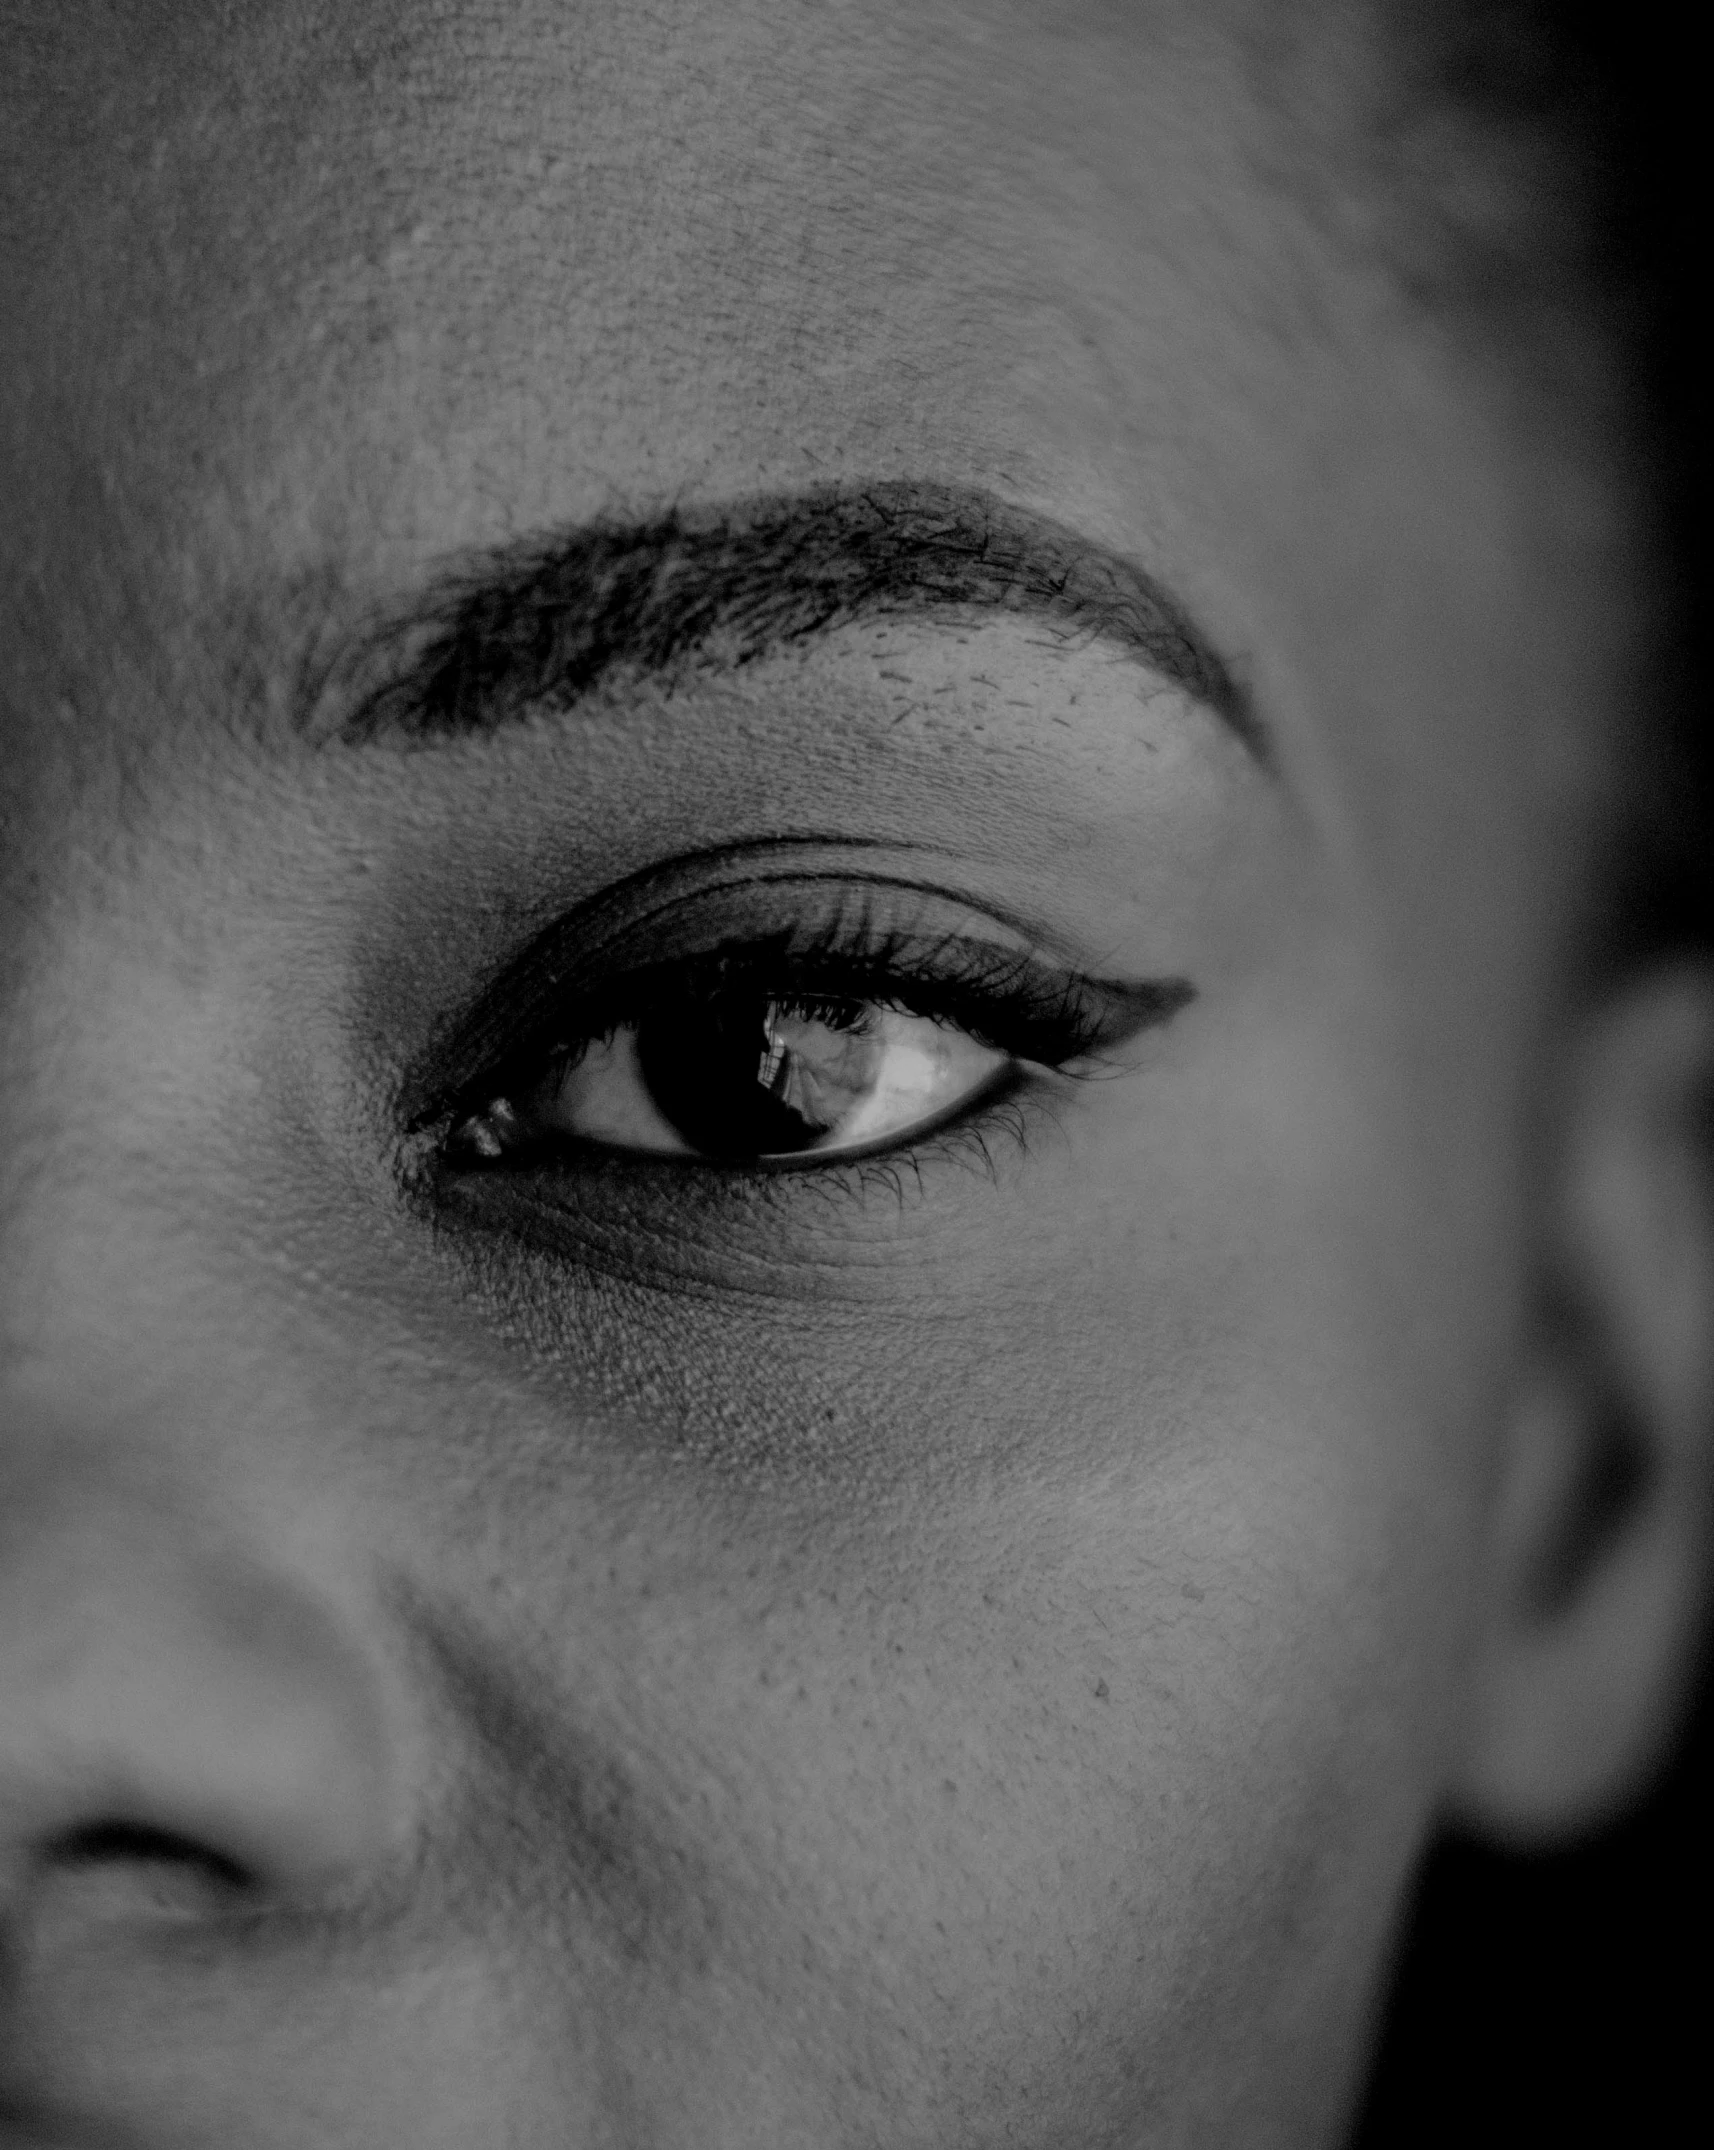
[777, 1025]
[733, 1059]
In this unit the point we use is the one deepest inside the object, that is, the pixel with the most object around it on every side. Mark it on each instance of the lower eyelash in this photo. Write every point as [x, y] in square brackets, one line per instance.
[967, 1141]
[1008, 1119]
[1008, 1115]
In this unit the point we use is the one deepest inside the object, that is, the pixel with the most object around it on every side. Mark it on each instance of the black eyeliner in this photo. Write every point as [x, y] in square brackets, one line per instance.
[1004, 998]
[576, 982]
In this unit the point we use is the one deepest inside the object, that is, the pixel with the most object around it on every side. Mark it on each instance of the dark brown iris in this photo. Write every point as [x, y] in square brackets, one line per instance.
[740, 1073]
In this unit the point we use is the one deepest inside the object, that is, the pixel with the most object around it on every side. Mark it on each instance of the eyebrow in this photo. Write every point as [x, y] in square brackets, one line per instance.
[538, 626]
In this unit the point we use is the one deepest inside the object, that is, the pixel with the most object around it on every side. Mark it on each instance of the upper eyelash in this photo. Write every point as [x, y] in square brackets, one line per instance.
[1002, 1004]
[1004, 997]
[572, 980]
[566, 991]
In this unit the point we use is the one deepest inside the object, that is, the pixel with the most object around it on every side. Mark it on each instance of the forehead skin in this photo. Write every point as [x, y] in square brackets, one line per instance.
[947, 1674]
[538, 261]
[442, 277]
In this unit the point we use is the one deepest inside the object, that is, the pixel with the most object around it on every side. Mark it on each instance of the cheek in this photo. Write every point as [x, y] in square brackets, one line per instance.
[1018, 1630]
[1059, 1631]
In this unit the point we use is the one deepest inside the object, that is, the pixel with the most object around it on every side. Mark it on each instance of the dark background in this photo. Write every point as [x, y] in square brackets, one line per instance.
[1560, 2000]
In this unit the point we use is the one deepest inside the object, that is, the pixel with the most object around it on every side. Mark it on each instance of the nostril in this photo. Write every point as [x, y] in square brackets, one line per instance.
[118, 1842]
[176, 1722]
[118, 1868]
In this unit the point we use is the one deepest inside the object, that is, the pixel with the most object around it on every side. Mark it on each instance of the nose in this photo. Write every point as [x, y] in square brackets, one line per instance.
[168, 1693]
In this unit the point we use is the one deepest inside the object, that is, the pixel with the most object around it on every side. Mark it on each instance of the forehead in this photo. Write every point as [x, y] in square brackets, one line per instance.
[695, 243]
[315, 298]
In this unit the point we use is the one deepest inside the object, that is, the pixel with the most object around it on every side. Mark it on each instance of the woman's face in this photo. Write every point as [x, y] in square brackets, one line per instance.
[535, 1628]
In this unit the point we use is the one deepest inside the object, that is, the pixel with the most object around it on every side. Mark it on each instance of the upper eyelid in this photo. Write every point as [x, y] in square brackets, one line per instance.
[834, 973]
[620, 997]
[560, 964]
[597, 932]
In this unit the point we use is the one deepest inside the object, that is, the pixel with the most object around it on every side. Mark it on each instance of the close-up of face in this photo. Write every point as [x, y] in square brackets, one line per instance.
[837, 1242]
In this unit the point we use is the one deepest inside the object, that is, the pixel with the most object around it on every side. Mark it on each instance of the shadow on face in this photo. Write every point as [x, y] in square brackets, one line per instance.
[822, 1271]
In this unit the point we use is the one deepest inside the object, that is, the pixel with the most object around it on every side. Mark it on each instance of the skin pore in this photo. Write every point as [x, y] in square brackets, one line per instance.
[960, 1647]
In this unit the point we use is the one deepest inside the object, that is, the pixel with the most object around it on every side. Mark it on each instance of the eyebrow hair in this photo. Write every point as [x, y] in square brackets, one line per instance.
[541, 624]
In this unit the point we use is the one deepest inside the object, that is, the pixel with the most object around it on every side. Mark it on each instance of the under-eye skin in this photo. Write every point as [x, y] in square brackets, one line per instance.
[807, 1027]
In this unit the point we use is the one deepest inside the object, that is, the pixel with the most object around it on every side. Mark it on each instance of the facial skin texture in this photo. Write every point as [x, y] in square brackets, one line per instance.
[959, 1654]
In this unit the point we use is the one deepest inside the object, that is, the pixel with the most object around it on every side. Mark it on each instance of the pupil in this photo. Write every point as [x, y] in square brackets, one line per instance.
[739, 1072]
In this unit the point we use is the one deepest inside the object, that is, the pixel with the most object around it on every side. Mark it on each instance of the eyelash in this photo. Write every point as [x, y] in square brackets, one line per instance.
[1007, 999]
[966, 1139]
[996, 996]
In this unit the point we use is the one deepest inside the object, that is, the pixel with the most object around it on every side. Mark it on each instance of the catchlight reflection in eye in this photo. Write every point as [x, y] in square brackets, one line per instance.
[745, 1075]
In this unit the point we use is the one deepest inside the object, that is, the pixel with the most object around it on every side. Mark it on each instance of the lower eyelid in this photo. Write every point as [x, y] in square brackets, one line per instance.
[618, 1213]
[970, 1132]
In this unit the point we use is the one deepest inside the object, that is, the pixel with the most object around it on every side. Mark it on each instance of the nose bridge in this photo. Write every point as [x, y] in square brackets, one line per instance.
[187, 1654]
[114, 1139]
[162, 1683]
[158, 1220]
